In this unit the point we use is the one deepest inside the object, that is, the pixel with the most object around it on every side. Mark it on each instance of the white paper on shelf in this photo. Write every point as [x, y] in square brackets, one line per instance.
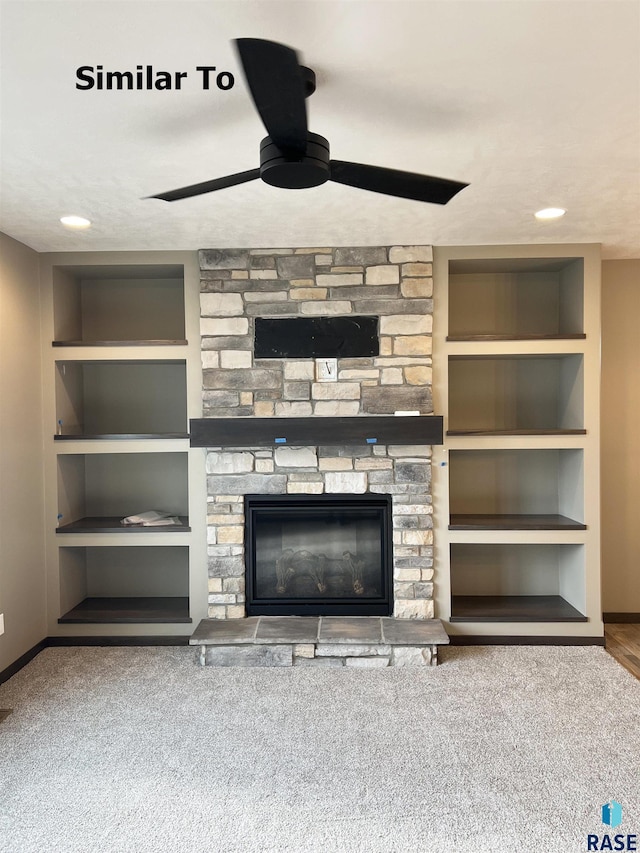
[152, 518]
[167, 521]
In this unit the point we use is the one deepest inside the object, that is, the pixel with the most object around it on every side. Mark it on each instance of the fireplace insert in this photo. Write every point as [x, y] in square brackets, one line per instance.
[318, 555]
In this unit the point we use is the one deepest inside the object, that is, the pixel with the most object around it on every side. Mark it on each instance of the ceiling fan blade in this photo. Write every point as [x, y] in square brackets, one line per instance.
[394, 182]
[209, 186]
[277, 87]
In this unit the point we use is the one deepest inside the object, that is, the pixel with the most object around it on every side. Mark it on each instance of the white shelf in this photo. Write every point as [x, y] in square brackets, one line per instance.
[512, 348]
[86, 446]
[122, 352]
[505, 441]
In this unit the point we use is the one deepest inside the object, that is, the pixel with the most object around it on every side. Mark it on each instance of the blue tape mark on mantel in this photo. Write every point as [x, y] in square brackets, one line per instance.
[265, 432]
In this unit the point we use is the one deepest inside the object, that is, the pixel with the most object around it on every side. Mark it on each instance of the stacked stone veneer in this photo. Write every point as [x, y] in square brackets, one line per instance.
[393, 283]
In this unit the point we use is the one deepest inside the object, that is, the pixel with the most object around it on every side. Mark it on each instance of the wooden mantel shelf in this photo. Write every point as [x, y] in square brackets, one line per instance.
[363, 429]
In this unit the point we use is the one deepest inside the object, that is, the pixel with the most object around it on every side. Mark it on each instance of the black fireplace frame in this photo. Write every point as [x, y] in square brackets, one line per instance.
[372, 606]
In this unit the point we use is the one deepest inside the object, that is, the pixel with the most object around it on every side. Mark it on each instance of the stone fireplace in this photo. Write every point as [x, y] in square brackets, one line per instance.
[392, 284]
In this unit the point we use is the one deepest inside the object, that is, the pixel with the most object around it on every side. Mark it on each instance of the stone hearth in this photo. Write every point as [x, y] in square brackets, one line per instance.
[327, 641]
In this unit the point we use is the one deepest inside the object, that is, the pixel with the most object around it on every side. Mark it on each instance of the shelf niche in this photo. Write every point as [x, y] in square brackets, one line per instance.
[515, 394]
[97, 490]
[126, 305]
[124, 584]
[517, 583]
[121, 399]
[516, 489]
[516, 298]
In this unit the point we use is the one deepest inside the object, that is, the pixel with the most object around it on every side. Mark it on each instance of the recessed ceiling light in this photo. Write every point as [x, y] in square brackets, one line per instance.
[550, 213]
[75, 222]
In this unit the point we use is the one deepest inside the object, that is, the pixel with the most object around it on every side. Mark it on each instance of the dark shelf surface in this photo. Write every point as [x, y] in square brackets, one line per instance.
[128, 611]
[111, 524]
[363, 429]
[572, 337]
[516, 432]
[150, 343]
[460, 521]
[513, 608]
[120, 436]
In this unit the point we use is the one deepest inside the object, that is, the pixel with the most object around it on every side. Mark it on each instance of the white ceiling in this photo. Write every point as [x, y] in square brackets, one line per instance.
[534, 103]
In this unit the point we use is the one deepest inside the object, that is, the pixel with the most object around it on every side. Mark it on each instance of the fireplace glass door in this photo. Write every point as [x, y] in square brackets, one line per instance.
[318, 555]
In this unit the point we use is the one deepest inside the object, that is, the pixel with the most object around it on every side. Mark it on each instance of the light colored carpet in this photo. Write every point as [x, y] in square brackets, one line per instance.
[497, 749]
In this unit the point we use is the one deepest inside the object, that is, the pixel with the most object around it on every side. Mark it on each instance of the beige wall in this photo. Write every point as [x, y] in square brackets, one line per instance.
[22, 573]
[621, 436]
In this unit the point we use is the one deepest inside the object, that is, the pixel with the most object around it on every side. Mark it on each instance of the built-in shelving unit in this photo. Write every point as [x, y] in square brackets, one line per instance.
[123, 383]
[515, 299]
[96, 491]
[121, 584]
[540, 582]
[127, 305]
[120, 398]
[516, 486]
[503, 489]
[522, 393]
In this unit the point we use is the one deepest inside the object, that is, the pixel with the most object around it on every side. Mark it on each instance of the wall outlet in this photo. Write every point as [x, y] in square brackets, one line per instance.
[1, 623]
[326, 370]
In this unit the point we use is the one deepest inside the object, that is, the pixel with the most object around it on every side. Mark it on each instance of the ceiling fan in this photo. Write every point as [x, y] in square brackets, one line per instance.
[291, 156]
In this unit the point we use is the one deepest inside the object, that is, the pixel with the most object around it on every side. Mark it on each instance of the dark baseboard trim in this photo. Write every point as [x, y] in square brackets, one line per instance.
[481, 640]
[22, 661]
[621, 617]
[27, 657]
[118, 641]
[454, 640]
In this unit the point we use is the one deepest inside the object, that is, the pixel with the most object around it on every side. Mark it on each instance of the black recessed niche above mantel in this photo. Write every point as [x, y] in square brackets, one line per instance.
[316, 337]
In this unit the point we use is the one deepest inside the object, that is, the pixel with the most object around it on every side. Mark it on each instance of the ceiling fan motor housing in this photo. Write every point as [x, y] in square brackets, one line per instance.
[295, 172]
